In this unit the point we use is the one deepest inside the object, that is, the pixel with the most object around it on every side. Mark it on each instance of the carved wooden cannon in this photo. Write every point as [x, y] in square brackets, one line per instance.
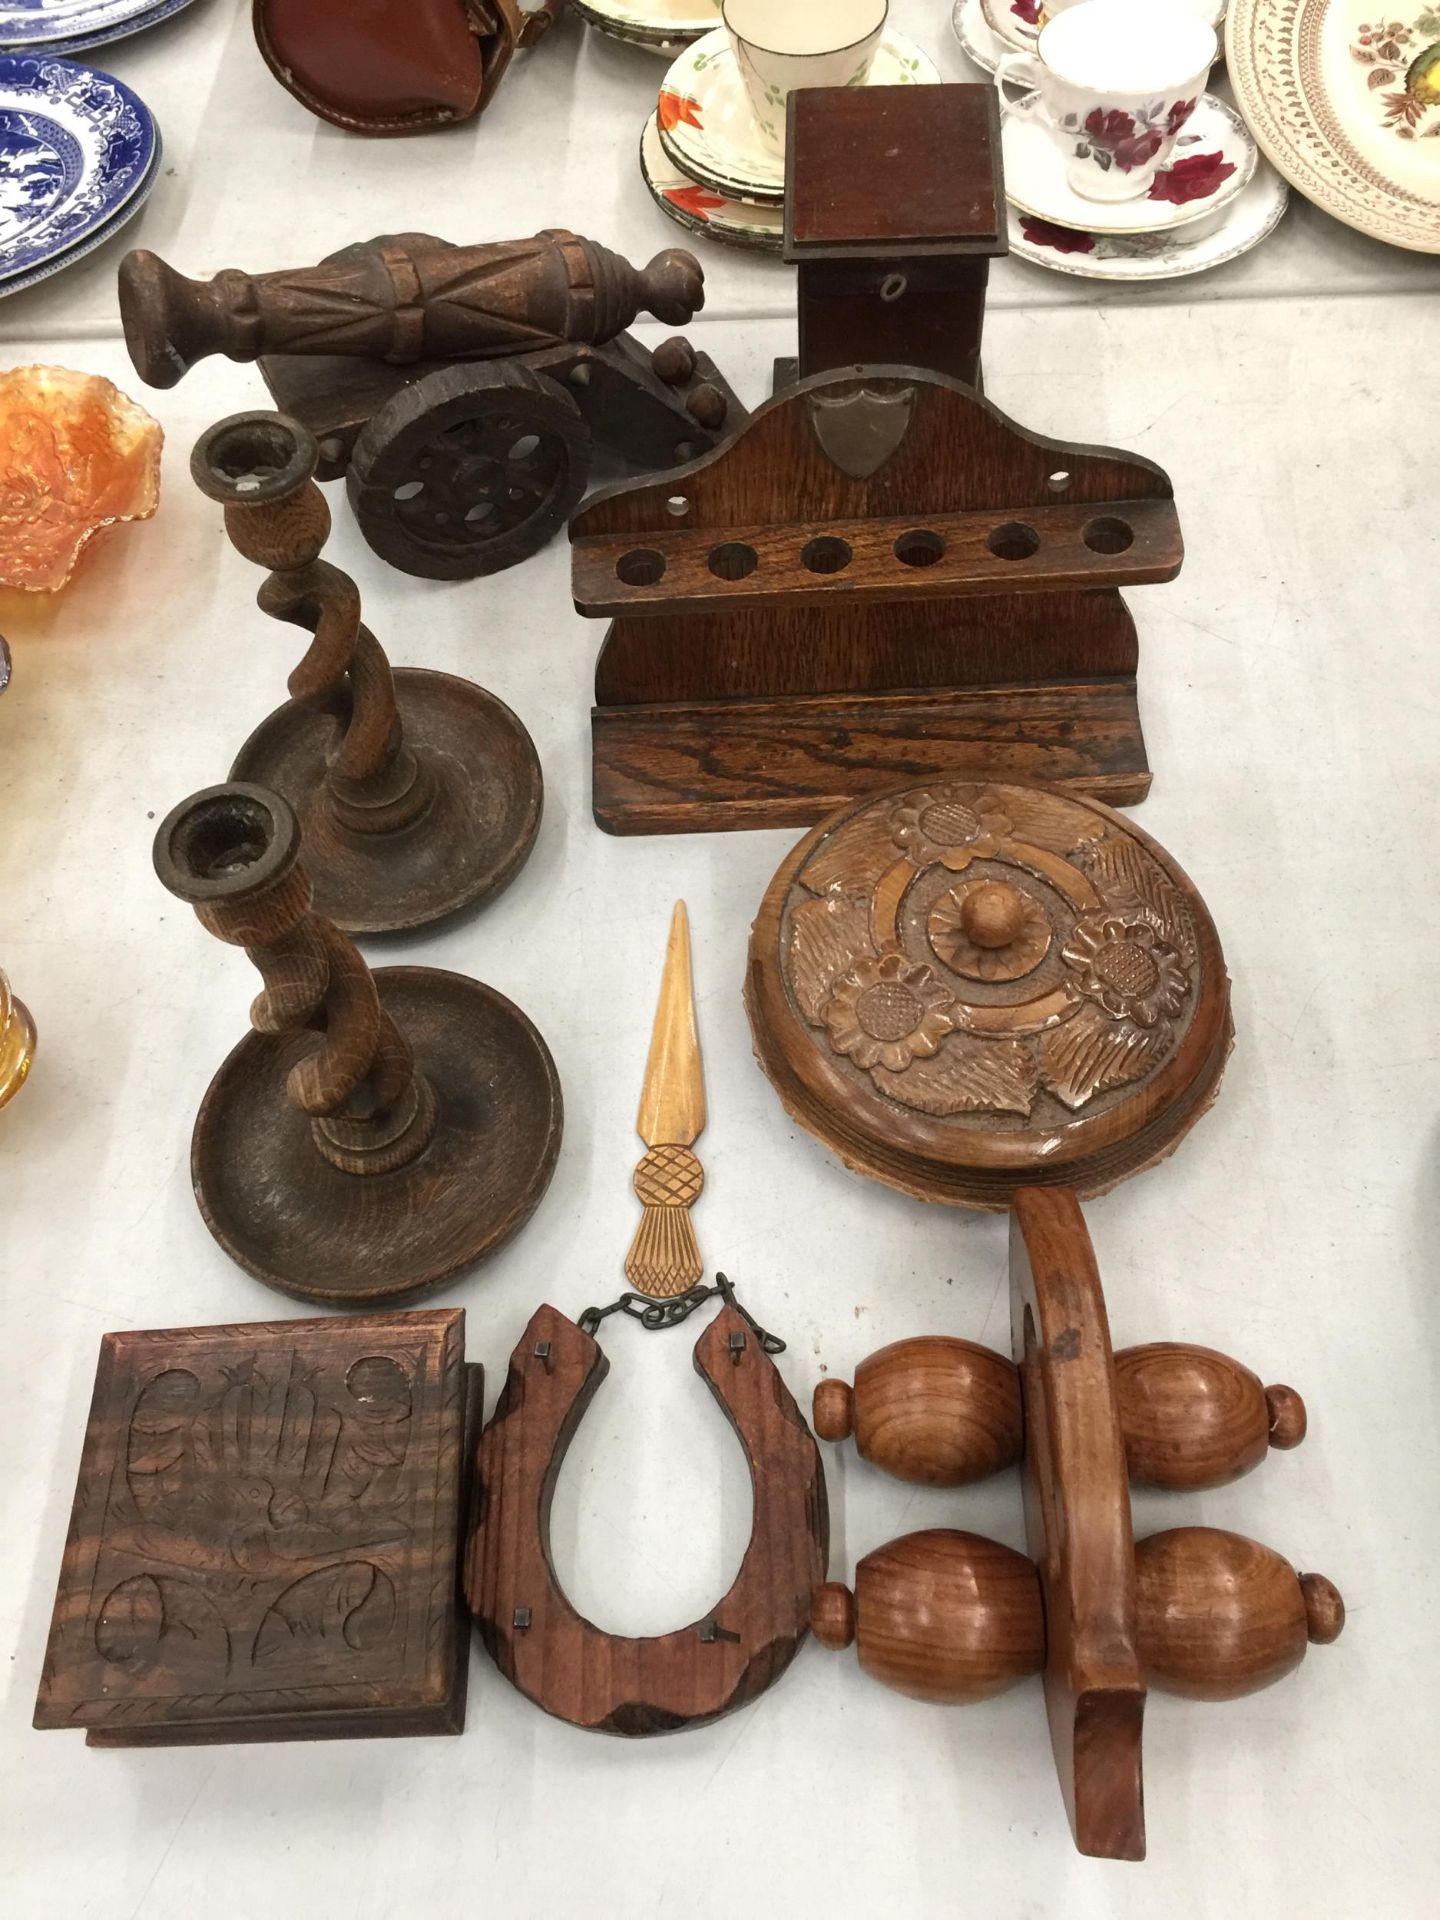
[460, 390]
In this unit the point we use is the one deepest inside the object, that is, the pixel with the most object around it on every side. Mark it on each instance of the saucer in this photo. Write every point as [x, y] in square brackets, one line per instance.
[1016, 24]
[1250, 218]
[660, 26]
[979, 42]
[708, 129]
[1183, 191]
[738, 223]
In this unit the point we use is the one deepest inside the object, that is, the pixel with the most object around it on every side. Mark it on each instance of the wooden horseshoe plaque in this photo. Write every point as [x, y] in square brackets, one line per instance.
[541, 1644]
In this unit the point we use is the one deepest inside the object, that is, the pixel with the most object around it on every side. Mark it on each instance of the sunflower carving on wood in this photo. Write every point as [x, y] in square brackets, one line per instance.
[991, 949]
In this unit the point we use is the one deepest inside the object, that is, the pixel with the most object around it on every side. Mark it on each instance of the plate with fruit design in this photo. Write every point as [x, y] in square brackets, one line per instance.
[1345, 101]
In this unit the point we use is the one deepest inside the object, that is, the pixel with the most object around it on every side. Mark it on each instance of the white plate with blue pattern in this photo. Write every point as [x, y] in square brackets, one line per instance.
[25, 21]
[94, 25]
[75, 146]
[107, 230]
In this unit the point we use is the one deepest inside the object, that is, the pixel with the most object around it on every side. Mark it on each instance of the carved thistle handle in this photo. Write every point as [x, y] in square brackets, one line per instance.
[260, 467]
[402, 301]
[233, 853]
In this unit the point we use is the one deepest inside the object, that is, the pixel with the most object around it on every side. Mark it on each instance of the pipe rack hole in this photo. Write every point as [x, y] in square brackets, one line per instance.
[678, 504]
[641, 567]
[1013, 541]
[733, 561]
[1108, 534]
[1059, 482]
[919, 548]
[825, 554]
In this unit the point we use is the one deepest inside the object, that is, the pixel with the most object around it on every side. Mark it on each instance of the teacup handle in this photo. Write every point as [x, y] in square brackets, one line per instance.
[1017, 70]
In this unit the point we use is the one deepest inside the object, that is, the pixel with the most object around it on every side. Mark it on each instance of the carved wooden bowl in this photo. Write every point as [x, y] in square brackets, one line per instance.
[966, 988]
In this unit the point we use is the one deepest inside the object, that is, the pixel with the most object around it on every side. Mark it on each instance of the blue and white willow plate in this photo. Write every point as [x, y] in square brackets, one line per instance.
[18, 282]
[26, 21]
[95, 25]
[75, 145]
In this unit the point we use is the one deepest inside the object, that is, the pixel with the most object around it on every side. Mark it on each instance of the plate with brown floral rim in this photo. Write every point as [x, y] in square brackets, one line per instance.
[1251, 217]
[1212, 161]
[660, 26]
[1346, 103]
[736, 223]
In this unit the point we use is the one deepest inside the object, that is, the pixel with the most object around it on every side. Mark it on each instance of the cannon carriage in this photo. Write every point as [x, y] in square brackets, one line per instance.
[462, 392]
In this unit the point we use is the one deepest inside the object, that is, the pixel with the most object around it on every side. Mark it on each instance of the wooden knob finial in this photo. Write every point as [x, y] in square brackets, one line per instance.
[1195, 1418]
[993, 914]
[832, 1615]
[934, 1411]
[1219, 1616]
[833, 1410]
[1288, 1419]
[1324, 1609]
[948, 1616]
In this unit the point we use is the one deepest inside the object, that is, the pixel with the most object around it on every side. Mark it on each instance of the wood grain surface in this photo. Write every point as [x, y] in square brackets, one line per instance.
[265, 1535]
[541, 1644]
[1080, 1052]
[1077, 1522]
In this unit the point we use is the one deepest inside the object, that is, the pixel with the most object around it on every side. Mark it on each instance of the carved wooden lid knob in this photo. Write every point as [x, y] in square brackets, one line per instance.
[992, 915]
[833, 1410]
[1324, 1609]
[1288, 1421]
[832, 1615]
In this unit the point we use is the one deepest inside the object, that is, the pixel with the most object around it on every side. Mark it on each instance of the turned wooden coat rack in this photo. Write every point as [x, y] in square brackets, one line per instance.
[954, 1617]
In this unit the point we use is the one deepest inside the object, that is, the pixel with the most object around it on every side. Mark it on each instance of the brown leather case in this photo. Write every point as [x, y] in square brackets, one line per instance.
[394, 66]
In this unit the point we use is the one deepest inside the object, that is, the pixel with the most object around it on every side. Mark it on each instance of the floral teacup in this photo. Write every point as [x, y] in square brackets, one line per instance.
[784, 44]
[1115, 82]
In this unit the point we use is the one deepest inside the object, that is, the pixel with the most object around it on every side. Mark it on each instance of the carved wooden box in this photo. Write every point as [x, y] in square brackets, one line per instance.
[263, 1542]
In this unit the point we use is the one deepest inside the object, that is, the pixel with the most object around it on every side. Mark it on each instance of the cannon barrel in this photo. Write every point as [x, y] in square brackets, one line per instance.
[402, 300]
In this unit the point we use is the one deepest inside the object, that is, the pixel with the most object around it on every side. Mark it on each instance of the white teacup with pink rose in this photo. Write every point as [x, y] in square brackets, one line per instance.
[1114, 82]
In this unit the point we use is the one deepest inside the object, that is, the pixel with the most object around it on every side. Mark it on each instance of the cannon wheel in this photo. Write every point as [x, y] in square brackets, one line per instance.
[468, 470]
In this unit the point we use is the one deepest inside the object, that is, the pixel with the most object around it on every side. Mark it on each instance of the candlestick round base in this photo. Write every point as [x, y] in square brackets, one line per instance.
[285, 1213]
[464, 848]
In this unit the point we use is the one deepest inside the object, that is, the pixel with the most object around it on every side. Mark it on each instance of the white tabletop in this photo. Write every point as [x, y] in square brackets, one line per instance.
[1290, 698]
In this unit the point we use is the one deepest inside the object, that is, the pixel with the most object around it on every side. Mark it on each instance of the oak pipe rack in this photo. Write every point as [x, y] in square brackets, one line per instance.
[418, 793]
[375, 1133]
[879, 576]
[952, 1617]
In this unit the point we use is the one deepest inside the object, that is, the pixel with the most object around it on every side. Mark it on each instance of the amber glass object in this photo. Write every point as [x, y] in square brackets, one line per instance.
[75, 456]
[17, 1043]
